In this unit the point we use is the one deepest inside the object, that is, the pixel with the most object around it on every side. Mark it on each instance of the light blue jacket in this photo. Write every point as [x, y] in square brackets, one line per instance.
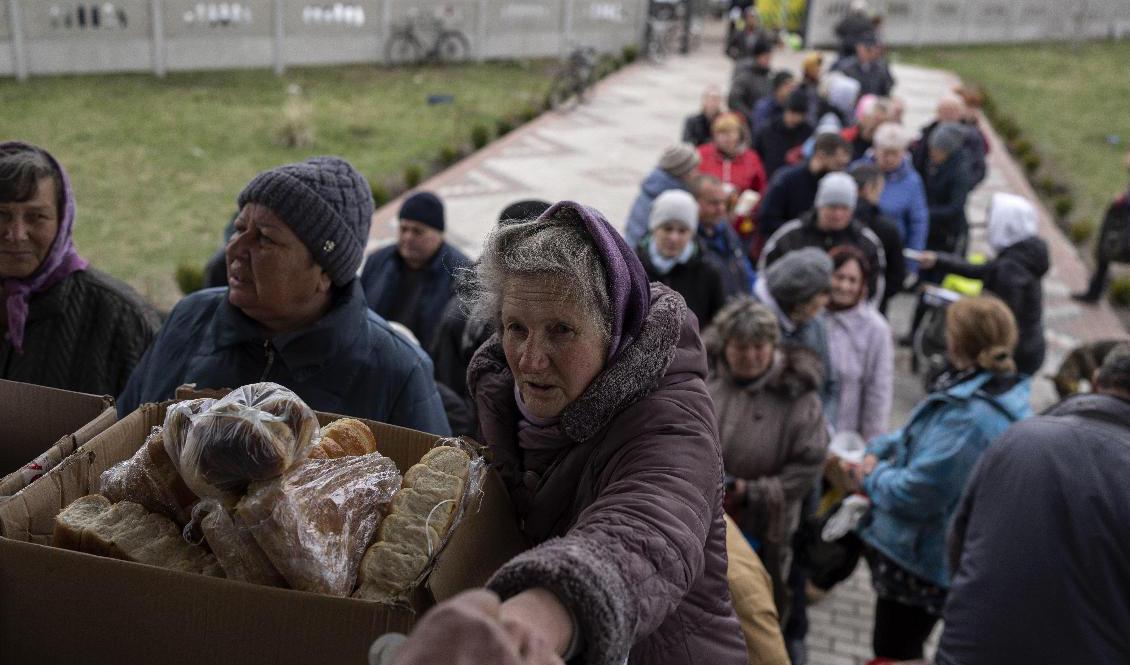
[923, 468]
[656, 182]
[904, 200]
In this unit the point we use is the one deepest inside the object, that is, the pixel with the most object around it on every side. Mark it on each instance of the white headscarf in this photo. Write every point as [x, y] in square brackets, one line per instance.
[1012, 218]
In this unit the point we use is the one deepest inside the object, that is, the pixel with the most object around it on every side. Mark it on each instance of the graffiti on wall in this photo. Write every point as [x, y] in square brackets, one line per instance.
[218, 14]
[88, 16]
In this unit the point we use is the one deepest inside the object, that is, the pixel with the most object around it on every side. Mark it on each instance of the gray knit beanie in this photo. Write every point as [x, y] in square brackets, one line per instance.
[798, 276]
[947, 137]
[327, 204]
[674, 205]
[837, 189]
[679, 159]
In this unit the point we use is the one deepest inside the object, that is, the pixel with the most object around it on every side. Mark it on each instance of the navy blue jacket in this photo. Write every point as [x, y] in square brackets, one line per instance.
[381, 281]
[1040, 543]
[791, 193]
[349, 362]
[723, 249]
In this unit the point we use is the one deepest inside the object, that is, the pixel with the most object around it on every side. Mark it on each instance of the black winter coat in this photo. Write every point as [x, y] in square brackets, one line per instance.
[791, 193]
[1014, 276]
[696, 130]
[947, 189]
[85, 334]
[697, 281]
[750, 83]
[1040, 546]
[774, 141]
[891, 237]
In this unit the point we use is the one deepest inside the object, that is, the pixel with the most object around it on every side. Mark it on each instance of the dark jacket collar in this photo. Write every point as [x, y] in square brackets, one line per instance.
[1095, 406]
[303, 352]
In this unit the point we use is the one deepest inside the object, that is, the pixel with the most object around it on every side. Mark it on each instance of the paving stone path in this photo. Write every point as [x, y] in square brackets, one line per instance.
[598, 152]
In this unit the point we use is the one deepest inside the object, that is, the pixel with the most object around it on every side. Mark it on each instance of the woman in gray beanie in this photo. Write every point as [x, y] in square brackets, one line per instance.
[293, 311]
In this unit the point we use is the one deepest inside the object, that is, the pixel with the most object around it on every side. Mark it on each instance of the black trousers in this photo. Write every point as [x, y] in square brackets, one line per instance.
[901, 630]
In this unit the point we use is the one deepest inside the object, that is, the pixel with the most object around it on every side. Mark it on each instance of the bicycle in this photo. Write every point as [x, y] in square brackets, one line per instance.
[406, 44]
[576, 76]
[664, 37]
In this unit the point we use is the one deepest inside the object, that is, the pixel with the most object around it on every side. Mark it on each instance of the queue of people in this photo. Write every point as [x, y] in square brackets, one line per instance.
[657, 408]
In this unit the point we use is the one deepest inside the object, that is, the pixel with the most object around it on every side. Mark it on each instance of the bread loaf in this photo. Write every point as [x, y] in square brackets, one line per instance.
[315, 521]
[254, 433]
[151, 479]
[418, 521]
[346, 436]
[233, 546]
[126, 530]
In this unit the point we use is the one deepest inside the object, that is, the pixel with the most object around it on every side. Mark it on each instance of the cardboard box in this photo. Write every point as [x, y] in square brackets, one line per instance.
[40, 426]
[58, 606]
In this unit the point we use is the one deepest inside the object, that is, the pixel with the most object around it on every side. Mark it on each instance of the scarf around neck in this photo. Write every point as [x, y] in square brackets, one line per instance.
[62, 259]
[664, 265]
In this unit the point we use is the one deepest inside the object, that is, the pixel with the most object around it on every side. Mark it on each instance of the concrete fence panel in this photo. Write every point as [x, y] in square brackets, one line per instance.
[331, 33]
[219, 35]
[81, 37]
[531, 29]
[7, 60]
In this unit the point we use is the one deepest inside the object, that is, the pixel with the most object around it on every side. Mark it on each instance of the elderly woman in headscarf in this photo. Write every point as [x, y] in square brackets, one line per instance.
[1014, 275]
[770, 421]
[65, 324]
[294, 311]
[592, 397]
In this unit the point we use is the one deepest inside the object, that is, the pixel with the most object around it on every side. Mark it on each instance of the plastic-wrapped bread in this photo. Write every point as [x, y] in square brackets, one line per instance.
[419, 519]
[254, 433]
[233, 546]
[126, 530]
[346, 436]
[151, 479]
[315, 521]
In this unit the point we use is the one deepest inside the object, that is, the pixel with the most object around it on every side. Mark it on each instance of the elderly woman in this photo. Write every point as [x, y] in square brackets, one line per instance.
[904, 195]
[672, 255]
[1014, 275]
[593, 399]
[860, 348]
[294, 311]
[915, 475]
[770, 422]
[729, 158]
[65, 324]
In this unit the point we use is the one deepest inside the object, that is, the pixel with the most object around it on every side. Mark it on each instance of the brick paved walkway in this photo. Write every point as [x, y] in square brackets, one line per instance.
[598, 153]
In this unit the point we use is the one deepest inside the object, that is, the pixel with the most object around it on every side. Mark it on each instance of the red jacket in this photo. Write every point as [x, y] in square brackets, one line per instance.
[744, 172]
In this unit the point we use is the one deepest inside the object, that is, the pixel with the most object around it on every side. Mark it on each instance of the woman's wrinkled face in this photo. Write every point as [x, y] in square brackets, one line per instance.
[553, 344]
[271, 275]
[748, 360]
[672, 238]
[27, 229]
[847, 285]
[727, 140]
[889, 159]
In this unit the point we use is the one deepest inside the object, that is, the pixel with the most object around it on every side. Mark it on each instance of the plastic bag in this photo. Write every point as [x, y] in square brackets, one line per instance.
[233, 545]
[254, 433]
[315, 521]
[150, 479]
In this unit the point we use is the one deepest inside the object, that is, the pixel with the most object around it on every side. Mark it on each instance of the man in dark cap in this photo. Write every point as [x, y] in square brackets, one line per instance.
[868, 67]
[781, 141]
[750, 80]
[293, 311]
[412, 281]
[772, 106]
[948, 182]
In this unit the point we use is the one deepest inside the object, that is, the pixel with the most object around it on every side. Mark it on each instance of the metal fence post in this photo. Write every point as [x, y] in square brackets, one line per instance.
[481, 32]
[567, 28]
[157, 16]
[386, 29]
[19, 55]
[279, 57]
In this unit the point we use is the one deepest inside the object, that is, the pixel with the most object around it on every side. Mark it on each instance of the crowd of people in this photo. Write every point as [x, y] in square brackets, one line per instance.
[661, 403]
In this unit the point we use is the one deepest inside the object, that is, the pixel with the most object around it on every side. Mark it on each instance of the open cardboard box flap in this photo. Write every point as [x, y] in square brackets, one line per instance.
[44, 425]
[123, 612]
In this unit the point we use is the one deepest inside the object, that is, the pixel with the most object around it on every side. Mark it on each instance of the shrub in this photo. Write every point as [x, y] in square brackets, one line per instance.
[480, 136]
[528, 113]
[1031, 162]
[297, 129]
[413, 174]
[380, 193]
[448, 155]
[1046, 185]
[630, 53]
[504, 126]
[1119, 292]
[1020, 147]
[1008, 128]
[1063, 206]
[189, 277]
[1081, 231]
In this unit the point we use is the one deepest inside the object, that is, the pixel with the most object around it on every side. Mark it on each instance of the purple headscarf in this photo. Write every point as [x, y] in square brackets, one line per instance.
[61, 261]
[628, 292]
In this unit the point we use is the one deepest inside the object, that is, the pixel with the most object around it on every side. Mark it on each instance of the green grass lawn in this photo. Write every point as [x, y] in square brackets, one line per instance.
[1066, 101]
[157, 164]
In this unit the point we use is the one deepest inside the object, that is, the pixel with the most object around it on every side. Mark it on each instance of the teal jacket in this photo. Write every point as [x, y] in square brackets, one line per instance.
[923, 467]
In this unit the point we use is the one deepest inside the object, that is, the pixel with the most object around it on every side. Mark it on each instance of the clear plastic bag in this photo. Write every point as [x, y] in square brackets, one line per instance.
[254, 433]
[233, 545]
[150, 478]
[315, 521]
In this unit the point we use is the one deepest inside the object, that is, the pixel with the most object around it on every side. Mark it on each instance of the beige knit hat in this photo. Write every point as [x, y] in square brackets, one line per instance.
[679, 159]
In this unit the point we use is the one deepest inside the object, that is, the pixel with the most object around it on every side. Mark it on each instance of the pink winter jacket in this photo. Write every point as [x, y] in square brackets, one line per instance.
[860, 348]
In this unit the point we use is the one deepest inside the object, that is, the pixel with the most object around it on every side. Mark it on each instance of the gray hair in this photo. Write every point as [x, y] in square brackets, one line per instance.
[1114, 373]
[557, 250]
[744, 319]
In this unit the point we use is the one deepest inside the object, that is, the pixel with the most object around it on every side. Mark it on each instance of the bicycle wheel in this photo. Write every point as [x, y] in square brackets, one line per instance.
[403, 50]
[452, 47]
